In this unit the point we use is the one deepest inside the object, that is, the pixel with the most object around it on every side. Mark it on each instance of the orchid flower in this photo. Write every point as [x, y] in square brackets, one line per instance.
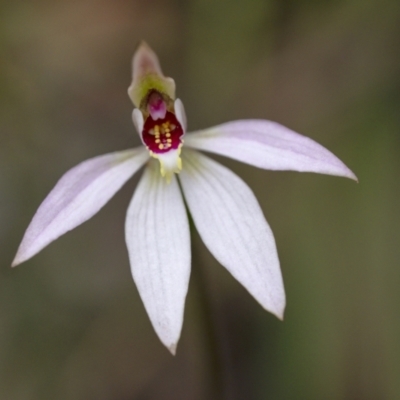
[224, 209]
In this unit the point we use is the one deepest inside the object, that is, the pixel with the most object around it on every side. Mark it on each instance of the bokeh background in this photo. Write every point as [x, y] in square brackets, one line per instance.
[72, 325]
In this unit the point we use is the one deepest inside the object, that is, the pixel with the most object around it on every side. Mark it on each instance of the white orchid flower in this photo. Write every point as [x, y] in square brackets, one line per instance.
[224, 209]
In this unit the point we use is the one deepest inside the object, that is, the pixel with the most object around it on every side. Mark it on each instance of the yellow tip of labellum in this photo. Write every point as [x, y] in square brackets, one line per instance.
[170, 163]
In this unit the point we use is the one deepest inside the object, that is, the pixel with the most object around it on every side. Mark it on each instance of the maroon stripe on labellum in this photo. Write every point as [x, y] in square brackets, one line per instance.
[162, 135]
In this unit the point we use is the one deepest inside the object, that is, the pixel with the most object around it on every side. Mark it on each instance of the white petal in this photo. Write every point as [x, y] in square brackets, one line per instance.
[77, 196]
[180, 114]
[232, 226]
[268, 145]
[158, 240]
[138, 121]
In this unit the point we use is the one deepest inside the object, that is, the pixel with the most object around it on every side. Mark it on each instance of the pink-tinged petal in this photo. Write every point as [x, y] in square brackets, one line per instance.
[232, 226]
[77, 196]
[158, 240]
[268, 145]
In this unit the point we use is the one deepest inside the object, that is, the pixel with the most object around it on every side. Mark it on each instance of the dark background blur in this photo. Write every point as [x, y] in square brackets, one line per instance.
[72, 325]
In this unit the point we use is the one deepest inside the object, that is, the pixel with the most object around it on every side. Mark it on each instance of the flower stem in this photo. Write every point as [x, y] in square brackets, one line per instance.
[219, 365]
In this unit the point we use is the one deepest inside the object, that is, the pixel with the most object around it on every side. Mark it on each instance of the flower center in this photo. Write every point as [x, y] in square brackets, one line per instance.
[163, 134]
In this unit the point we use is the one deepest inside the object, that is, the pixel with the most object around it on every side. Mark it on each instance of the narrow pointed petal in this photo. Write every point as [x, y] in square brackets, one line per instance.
[138, 121]
[158, 240]
[77, 196]
[268, 145]
[232, 226]
[180, 114]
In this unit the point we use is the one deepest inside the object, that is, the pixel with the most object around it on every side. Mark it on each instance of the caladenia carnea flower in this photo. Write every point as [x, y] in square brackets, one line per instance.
[224, 209]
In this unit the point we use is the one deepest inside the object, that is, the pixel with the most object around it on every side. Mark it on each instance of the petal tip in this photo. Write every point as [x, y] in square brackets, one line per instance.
[19, 259]
[280, 315]
[15, 263]
[276, 306]
[172, 348]
[346, 172]
[353, 176]
[278, 311]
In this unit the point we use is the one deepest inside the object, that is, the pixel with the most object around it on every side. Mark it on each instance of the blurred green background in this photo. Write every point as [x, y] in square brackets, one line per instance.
[72, 325]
